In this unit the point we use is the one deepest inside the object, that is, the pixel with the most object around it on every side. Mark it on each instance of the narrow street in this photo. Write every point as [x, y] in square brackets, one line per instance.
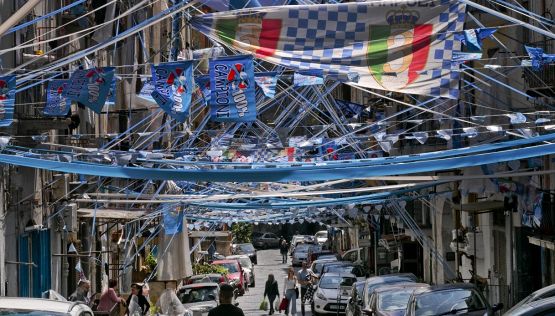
[269, 261]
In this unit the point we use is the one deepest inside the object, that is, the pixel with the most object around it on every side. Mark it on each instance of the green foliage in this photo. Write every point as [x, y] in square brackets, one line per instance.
[150, 262]
[242, 232]
[205, 268]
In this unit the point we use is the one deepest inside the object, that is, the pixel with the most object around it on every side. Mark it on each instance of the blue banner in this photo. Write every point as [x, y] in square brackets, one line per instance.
[232, 86]
[56, 103]
[267, 81]
[146, 90]
[308, 78]
[7, 100]
[111, 100]
[90, 87]
[203, 83]
[173, 88]
[349, 109]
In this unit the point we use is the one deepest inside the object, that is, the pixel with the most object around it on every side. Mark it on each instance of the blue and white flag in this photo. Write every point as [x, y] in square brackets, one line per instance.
[7, 100]
[267, 81]
[233, 89]
[404, 46]
[472, 38]
[56, 103]
[173, 88]
[111, 100]
[538, 57]
[173, 221]
[308, 78]
[146, 90]
[90, 87]
[203, 83]
[349, 109]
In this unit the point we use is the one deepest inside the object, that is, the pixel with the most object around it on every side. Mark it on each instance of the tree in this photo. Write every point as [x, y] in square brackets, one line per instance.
[242, 232]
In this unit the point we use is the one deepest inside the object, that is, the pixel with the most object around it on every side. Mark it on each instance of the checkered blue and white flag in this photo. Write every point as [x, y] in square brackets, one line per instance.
[395, 45]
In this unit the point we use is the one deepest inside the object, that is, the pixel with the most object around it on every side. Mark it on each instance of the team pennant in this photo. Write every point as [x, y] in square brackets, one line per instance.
[173, 86]
[56, 103]
[90, 87]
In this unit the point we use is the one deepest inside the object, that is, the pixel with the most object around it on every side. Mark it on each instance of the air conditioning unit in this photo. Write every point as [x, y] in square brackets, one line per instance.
[70, 217]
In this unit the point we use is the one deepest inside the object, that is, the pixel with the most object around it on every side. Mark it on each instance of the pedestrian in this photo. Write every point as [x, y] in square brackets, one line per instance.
[271, 290]
[305, 280]
[81, 293]
[283, 250]
[226, 308]
[289, 291]
[137, 294]
[109, 298]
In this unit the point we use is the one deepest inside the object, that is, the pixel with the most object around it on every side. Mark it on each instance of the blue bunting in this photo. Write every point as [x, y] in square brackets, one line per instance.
[538, 57]
[90, 87]
[173, 88]
[473, 38]
[267, 81]
[56, 103]
[7, 100]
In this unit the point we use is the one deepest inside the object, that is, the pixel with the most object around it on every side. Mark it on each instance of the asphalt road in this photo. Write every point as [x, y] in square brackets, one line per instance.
[269, 261]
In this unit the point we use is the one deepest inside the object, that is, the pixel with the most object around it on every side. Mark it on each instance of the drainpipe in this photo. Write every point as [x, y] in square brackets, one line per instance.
[18, 15]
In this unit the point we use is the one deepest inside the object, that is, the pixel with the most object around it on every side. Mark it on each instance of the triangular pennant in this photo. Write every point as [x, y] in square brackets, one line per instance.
[173, 87]
[90, 87]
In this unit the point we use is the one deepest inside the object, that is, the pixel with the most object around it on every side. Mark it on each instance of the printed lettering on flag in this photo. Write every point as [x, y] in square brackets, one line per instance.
[173, 88]
[203, 83]
[267, 81]
[90, 87]
[395, 45]
[232, 87]
[7, 100]
[56, 103]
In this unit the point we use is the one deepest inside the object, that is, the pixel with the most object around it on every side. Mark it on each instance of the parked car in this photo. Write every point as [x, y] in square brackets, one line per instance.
[36, 306]
[207, 278]
[325, 254]
[247, 266]
[296, 239]
[346, 267]
[543, 293]
[372, 283]
[449, 299]
[354, 305]
[357, 255]
[391, 300]
[204, 256]
[267, 240]
[199, 298]
[332, 293]
[317, 265]
[301, 252]
[321, 236]
[543, 307]
[234, 273]
[246, 249]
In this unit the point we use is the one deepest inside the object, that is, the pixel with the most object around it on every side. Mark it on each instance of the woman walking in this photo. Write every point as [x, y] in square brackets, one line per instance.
[109, 298]
[271, 290]
[289, 291]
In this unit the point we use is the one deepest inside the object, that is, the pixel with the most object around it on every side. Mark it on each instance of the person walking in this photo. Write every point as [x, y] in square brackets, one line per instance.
[272, 291]
[109, 298]
[226, 308]
[289, 292]
[140, 300]
[283, 247]
[305, 280]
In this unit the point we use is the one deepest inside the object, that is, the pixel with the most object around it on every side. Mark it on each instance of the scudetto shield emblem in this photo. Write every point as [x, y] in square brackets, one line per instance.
[398, 52]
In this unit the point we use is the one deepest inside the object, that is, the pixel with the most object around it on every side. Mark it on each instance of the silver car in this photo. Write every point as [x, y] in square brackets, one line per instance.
[199, 298]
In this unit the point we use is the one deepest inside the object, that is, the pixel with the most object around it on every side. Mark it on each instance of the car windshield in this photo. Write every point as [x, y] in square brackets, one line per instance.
[333, 257]
[230, 266]
[6, 312]
[317, 267]
[448, 302]
[394, 300]
[245, 248]
[302, 248]
[334, 281]
[339, 268]
[207, 279]
[372, 287]
[245, 262]
[322, 235]
[200, 294]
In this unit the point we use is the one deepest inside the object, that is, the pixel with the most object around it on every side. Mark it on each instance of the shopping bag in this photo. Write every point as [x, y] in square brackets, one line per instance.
[283, 304]
[276, 307]
[263, 305]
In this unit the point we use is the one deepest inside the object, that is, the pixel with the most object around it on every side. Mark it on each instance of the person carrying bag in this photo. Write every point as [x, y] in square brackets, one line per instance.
[271, 291]
[290, 292]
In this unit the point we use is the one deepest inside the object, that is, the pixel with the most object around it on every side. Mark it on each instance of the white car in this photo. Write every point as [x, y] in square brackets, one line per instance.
[199, 298]
[321, 237]
[332, 293]
[37, 306]
[300, 254]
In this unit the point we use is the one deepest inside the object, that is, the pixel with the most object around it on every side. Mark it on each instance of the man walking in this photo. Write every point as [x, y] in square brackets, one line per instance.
[305, 277]
[81, 293]
[226, 308]
[283, 250]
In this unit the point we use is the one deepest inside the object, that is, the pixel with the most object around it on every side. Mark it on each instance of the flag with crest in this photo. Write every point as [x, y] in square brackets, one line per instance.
[90, 87]
[395, 45]
[56, 103]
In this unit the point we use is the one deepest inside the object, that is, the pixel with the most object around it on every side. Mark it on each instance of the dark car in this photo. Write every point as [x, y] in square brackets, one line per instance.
[372, 283]
[449, 299]
[246, 249]
[543, 307]
[543, 293]
[391, 300]
[265, 241]
[354, 306]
